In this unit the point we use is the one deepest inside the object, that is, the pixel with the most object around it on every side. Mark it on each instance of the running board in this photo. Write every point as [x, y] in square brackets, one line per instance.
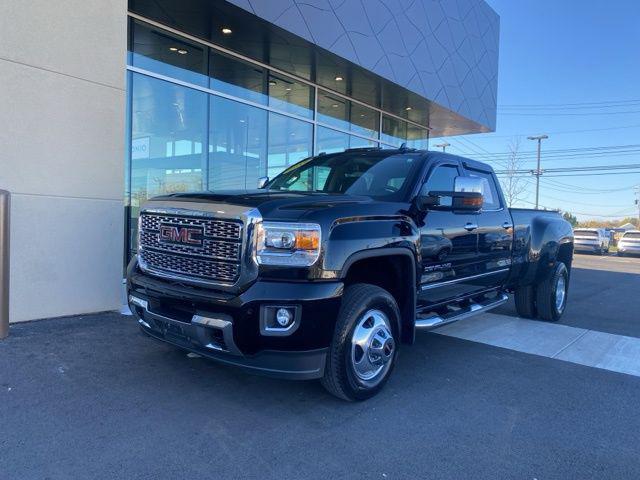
[433, 321]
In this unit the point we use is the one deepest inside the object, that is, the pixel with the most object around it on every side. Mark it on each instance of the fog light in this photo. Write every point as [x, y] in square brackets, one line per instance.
[279, 320]
[284, 317]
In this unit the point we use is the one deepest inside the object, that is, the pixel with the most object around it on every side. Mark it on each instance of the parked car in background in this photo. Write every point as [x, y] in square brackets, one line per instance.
[629, 243]
[594, 240]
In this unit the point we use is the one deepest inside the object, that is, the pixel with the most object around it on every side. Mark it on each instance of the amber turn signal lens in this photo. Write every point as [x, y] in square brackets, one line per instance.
[307, 239]
[472, 202]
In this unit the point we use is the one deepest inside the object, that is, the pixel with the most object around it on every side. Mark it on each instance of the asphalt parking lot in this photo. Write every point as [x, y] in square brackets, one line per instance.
[90, 397]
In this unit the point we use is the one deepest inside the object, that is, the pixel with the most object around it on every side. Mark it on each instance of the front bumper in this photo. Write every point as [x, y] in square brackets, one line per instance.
[226, 328]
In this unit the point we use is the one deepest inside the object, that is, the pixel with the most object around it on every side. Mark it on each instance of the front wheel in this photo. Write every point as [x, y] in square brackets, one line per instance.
[551, 293]
[364, 349]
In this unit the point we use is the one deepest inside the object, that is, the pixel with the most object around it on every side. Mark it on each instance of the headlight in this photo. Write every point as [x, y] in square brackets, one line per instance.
[288, 244]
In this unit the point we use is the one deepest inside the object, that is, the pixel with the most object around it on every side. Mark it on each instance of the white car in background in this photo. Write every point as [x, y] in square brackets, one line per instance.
[629, 243]
[595, 240]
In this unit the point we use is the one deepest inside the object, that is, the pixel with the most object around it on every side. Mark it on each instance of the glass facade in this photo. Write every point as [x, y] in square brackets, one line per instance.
[203, 119]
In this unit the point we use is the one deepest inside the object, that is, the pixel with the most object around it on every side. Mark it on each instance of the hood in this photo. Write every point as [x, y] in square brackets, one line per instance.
[272, 204]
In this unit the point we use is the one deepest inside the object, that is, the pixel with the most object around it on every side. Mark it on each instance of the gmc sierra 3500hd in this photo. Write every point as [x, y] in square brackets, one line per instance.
[324, 271]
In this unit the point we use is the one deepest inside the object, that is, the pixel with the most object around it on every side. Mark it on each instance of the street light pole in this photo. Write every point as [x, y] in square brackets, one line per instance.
[637, 189]
[538, 172]
[443, 146]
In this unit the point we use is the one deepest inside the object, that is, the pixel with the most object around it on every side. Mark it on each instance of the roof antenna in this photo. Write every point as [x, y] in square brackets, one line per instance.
[403, 146]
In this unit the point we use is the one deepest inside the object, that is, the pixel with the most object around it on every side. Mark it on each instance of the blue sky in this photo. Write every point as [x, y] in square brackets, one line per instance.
[568, 52]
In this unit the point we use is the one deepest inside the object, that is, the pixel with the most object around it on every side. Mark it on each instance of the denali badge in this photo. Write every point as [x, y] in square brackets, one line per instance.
[181, 234]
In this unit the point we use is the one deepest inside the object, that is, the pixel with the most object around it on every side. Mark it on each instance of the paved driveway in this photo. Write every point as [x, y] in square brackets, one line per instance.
[92, 398]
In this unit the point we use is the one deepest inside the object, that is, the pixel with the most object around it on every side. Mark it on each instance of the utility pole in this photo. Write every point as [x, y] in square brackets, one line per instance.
[443, 146]
[538, 172]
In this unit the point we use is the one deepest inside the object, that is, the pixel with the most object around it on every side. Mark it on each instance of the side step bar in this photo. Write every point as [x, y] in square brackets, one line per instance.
[432, 321]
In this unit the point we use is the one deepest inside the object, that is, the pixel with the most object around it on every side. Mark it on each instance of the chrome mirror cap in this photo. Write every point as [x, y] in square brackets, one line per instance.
[262, 181]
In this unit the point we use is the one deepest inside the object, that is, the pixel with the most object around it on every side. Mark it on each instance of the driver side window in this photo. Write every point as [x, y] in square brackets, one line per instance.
[442, 179]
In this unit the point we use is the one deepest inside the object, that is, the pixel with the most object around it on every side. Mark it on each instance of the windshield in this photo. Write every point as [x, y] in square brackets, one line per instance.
[377, 174]
[628, 235]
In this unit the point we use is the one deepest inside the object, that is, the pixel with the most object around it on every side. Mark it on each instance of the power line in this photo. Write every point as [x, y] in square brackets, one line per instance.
[547, 114]
[585, 190]
[633, 100]
[571, 150]
[624, 166]
[582, 174]
[552, 109]
[490, 136]
[583, 203]
[560, 154]
[575, 188]
[617, 215]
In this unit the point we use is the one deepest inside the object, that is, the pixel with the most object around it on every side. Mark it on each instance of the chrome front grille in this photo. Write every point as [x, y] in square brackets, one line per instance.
[212, 255]
[211, 249]
[215, 228]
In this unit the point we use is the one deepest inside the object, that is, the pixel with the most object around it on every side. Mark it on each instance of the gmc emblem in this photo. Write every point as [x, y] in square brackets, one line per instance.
[182, 235]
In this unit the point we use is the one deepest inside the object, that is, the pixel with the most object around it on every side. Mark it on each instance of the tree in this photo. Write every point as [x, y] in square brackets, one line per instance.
[569, 217]
[512, 185]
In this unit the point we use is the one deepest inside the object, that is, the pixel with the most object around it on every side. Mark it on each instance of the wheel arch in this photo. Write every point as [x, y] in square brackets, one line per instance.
[395, 270]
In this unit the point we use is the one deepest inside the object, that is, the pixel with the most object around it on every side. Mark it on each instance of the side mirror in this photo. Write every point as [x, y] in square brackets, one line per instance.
[467, 196]
[426, 200]
[262, 182]
[468, 201]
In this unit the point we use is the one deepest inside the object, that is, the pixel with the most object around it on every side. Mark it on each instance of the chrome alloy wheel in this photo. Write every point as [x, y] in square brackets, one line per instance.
[372, 348]
[561, 293]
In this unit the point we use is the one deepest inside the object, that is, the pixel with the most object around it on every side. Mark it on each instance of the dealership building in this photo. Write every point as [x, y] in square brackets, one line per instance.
[107, 103]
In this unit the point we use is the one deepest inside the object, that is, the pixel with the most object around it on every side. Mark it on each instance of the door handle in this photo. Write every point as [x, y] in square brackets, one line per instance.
[470, 226]
[507, 225]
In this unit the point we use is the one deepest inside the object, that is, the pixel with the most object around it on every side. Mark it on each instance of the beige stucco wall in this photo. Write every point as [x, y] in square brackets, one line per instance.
[62, 91]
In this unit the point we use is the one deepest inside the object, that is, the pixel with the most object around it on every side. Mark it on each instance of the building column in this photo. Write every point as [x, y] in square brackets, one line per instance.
[62, 91]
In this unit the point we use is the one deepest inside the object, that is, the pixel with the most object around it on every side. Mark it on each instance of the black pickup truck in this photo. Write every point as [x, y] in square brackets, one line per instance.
[324, 271]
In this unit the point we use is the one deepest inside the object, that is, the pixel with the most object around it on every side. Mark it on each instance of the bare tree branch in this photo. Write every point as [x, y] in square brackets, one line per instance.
[512, 185]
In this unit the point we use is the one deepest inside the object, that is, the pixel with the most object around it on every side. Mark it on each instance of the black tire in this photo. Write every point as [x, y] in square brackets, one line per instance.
[525, 298]
[548, 308]
[340, 378]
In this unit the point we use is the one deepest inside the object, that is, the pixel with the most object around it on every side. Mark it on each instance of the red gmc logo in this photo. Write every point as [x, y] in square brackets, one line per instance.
[184, 235]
